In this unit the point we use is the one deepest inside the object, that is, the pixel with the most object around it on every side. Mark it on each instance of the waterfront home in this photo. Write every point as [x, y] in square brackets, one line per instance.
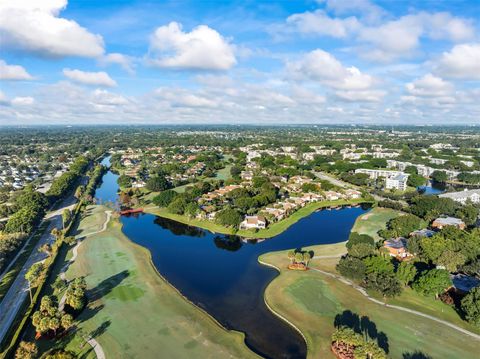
[397, 247]
[253, 222]
[311, 197]
[332, 195]
[277, 213]
[440, 223]
[352, 194]
[463, 196]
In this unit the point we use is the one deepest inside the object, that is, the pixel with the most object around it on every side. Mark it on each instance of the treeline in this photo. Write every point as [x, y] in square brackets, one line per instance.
[32, 206]
[470, 178]
[65, 182]
[95, 176]
[429, 208]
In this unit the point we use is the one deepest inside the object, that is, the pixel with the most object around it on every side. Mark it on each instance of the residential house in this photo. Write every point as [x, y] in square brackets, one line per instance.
[441, 222]
[352, 194]
[397, 247]
[253, 222]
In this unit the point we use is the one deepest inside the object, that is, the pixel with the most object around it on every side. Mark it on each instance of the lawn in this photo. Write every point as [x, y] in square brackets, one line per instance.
[132, 311]
[271, 231]
[370, 223]
[313, 301]
[224, 173]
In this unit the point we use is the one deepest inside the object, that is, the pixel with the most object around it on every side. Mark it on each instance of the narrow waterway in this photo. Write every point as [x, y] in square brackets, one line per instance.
[221, 273]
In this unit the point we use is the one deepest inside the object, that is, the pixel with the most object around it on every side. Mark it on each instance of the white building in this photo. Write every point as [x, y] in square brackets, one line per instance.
[463, 196]
[253, 222]
[375, 174]
[397, 182]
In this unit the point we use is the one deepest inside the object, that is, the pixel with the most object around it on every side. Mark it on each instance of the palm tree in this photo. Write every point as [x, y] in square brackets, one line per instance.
[54, 324]
[32, 277]
[306, 258]
[67, 321]
[291, 256]
[57, 233]
[298, 257]
[347, 336]
[26, 350]
[370, 350]
[46, 248]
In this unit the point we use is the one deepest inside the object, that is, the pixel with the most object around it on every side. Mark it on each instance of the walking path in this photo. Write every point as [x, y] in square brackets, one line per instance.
[330, 256]
[93, 343]
[403, 309]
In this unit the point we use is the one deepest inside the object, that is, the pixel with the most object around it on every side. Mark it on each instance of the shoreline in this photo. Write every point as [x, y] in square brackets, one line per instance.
[275, 229]
[278, 315]
[202, 311]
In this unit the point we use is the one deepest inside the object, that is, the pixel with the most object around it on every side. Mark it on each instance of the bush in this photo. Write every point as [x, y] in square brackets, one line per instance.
[164, 198]
[352, 268]
[356, 238]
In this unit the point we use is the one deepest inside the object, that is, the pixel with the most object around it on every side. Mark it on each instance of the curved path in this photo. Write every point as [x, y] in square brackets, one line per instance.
[403, 309]
[93, 343]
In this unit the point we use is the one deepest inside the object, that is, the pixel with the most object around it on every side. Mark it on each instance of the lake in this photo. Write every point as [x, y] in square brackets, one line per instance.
[221, 274]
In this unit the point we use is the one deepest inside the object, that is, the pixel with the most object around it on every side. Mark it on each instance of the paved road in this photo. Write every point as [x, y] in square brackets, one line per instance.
[18, 291]
[403, 309]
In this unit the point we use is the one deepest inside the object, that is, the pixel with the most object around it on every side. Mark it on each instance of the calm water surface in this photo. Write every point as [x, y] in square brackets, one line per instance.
[221, 273]
[432, 188]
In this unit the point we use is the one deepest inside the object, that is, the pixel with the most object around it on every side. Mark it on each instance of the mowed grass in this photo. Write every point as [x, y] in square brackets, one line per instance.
[312, 300]
[133, 312]
[224, 173]
[373, 221]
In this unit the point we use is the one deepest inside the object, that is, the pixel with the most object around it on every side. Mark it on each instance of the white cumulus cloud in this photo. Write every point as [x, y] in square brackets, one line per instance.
[13, 72]
[462, 62]
[35, 26]
[319, 23]
[100, 78]
[124, 61]
[203, 48]
[322, 66]
[429, 86]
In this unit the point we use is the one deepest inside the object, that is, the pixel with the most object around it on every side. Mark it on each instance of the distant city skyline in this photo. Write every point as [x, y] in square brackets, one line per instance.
[239, 62]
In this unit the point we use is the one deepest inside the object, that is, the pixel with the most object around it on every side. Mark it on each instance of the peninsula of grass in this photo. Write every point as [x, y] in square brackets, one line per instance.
[272, 230]
[132, 311]
[373, 221]
[312, 301]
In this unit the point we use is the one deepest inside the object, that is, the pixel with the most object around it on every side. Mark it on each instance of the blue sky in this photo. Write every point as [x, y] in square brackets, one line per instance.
[328, 61]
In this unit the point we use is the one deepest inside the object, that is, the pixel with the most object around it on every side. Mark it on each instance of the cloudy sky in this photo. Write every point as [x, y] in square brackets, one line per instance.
[239, 62]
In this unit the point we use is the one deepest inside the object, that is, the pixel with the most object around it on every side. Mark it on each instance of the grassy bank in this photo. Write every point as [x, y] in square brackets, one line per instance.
[313, 301]
[272, 230]
[132, 311]
[373, 221]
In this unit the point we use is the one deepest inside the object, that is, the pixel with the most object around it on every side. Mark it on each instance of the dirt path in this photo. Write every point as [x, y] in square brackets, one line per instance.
[93, 343]
[403, 309]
